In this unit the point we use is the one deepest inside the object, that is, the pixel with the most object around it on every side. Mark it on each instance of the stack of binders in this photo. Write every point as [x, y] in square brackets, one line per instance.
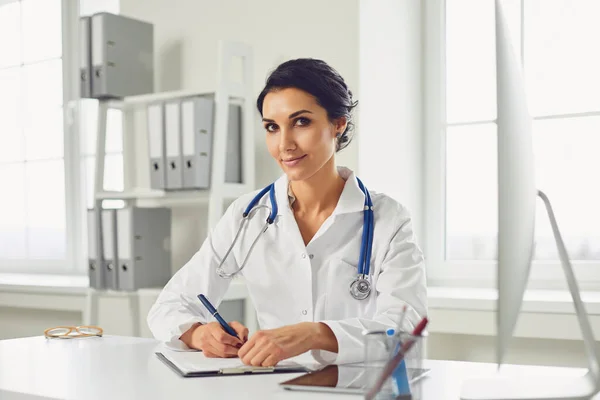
[136, 248]
[180, 136]
[116, 56]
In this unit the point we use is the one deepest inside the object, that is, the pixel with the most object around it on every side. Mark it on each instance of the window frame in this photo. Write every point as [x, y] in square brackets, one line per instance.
[73, 263]
[469, 273]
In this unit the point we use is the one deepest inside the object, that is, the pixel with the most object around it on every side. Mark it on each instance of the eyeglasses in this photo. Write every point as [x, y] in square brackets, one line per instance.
[72, 332]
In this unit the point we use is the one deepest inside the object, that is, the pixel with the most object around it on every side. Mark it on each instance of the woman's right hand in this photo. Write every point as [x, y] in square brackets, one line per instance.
[214, 341]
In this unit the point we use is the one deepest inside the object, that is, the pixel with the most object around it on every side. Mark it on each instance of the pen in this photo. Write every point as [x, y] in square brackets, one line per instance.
[401, 322]
[393, 362]
[211, 309]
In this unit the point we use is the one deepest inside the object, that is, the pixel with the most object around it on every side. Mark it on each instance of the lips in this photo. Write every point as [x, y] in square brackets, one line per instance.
[293, 161]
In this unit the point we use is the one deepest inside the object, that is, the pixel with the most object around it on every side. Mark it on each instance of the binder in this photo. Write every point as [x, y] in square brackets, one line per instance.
[122, 56]
[196, 129]
[94, 270]
[85, 58]
[196, 364]
[109, 238]
[174, 178]
[197, 126]
[233, 169]
[156, 145]
[144, 251]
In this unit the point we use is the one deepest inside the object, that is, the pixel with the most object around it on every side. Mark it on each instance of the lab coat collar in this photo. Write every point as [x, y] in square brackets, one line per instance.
[351, 200]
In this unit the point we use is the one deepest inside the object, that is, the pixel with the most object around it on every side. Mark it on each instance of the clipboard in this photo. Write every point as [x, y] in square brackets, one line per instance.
[238, 369]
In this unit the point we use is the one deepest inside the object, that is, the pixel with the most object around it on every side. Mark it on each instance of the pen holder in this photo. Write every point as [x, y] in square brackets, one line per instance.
[381, 347]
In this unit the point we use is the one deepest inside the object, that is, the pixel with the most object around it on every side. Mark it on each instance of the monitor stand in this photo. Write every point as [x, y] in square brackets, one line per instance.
[502, 387]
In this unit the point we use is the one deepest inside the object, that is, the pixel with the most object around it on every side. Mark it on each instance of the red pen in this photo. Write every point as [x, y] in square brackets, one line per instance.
[395, 361]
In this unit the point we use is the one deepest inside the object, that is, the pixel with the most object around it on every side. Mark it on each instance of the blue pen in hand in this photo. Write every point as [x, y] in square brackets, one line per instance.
[211, 309]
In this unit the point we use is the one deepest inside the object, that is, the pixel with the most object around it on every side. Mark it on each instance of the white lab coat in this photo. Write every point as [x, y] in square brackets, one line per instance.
[289, 282]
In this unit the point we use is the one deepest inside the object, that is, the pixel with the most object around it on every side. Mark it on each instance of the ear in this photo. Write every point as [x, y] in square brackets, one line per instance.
[340, 125]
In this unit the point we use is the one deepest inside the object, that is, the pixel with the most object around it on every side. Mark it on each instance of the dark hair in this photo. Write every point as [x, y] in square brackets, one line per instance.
[321, 81]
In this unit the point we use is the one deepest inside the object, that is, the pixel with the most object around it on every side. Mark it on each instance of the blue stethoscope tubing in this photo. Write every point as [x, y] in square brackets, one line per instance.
[360, 287]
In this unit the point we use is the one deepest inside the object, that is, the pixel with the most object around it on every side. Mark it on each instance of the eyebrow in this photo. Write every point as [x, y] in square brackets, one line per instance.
[292, 115]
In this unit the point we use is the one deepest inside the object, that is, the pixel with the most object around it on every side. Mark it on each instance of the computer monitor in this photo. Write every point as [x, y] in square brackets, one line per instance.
[517, 193]
[517, 196]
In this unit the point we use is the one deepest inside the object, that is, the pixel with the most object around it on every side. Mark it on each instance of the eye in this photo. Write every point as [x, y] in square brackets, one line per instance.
[271, 127]
[302, 121]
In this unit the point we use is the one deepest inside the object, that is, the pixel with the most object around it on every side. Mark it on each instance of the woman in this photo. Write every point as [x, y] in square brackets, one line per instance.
[299, 272]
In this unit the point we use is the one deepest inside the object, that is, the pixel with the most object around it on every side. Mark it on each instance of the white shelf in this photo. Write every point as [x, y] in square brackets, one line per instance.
[176, 199]
[145, 99]
[159, 198]
[131, 194]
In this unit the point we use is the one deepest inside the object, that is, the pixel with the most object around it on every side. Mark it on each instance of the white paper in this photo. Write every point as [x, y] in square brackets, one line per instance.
[196, 361]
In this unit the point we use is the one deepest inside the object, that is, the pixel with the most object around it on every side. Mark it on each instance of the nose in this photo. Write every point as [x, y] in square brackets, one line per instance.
[286, 141]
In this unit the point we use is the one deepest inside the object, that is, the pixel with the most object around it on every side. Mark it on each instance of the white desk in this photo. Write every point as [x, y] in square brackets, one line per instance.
[117, 367]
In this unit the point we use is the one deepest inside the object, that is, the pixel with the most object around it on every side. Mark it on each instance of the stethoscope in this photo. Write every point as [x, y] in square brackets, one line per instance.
[360, 287]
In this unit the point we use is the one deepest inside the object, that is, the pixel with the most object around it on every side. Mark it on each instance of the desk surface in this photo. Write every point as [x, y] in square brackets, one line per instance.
[116, 367]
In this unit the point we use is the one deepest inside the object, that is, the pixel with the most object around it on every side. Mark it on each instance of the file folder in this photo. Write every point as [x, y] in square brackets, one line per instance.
[174, 179]
[156, 145]
[85, 58]
[233, 169]
[122, 56]
[144, 247]
[196, 129]
[109, 238]
[94, 270]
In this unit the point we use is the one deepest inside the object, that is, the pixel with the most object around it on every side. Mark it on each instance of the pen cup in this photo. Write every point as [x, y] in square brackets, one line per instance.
[380, 347]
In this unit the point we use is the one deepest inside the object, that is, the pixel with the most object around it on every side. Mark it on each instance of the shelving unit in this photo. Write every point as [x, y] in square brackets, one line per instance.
[136, 162]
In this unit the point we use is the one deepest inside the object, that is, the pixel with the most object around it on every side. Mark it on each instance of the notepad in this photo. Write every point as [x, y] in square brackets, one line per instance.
[196, 364]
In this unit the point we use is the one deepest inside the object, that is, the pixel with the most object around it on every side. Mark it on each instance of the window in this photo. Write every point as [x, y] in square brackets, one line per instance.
[553, 39]
[42, 199]
[33, 224]
[113, 161]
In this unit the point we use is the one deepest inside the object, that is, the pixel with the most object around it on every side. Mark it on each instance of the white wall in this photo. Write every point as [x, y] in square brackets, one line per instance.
[391, 148]
[186, 36]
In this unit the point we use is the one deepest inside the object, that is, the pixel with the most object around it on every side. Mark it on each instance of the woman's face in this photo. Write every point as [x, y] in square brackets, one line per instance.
[300, 136]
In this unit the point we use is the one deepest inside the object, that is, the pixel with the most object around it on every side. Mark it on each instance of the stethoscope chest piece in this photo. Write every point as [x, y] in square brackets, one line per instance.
[360, 288]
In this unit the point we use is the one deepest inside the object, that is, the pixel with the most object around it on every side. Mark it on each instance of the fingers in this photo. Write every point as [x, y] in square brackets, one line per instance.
[215, 342]
[221, 350]
[271, 360]
[247, 347]
[223, 337]
[250, 350]
[209, 354]
[241, 330]
[266, 357]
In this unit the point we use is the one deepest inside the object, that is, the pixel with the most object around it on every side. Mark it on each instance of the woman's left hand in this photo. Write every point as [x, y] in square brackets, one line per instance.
[266, 348]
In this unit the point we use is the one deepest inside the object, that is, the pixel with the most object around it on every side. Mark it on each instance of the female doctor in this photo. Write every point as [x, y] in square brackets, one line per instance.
[309, 276]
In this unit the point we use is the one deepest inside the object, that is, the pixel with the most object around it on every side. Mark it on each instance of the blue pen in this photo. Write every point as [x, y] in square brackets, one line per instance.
[211, 309]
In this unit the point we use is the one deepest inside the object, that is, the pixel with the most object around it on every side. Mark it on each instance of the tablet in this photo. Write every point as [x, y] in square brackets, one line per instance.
[342, 379]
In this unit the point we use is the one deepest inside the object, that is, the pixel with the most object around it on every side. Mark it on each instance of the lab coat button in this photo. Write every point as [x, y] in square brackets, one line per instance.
[311, 256]
[304, 312]
[303, 255]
